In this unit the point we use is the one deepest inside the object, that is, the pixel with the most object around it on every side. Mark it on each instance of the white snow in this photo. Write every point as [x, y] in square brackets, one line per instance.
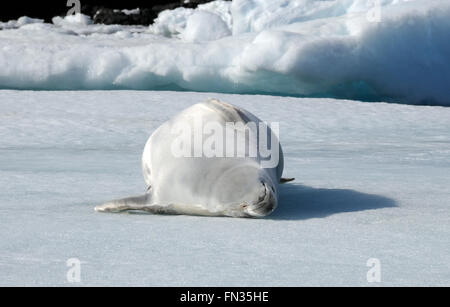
[172, 23]
[199, 21]
[398, 52]
[371, 182]
[77, 19]
[24, 20]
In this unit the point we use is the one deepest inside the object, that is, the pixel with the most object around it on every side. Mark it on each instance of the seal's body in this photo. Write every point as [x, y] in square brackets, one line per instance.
[203, 179]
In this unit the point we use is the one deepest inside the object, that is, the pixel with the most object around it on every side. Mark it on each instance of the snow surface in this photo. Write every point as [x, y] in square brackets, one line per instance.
[397, 52]
[371, 182]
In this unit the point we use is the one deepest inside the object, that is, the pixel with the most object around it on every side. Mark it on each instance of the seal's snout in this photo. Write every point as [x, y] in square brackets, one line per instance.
[266, 203]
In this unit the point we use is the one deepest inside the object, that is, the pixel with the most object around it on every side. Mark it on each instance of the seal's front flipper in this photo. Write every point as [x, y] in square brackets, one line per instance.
[126, 204]
[284, 180]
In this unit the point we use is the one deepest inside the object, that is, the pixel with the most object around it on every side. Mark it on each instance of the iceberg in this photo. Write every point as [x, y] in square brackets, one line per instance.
[385, 50]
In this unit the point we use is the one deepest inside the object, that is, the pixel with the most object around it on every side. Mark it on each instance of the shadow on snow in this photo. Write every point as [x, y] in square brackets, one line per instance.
[298, 202]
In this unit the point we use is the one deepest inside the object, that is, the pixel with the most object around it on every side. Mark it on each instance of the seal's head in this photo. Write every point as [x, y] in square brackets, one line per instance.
[249, 189]
[266, 203]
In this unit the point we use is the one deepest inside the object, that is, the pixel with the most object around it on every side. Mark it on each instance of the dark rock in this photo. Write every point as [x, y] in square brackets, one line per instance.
[112, 16]
[101, 11]
[146, 16]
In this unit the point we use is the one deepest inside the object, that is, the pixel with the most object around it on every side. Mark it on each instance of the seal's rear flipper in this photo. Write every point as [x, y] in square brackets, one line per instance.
[284, 180]
[126, 204]
[137, 203]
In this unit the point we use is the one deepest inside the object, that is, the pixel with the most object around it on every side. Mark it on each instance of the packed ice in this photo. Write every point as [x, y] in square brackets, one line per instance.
[371, 183]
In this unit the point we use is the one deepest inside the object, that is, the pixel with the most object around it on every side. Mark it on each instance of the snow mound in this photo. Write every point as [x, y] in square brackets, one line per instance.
[397, 51]
[172, 23]
[24, 20]
[77, 19]
[199, 21]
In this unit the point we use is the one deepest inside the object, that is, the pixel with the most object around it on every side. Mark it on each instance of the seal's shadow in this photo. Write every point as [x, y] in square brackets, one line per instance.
[299, 202]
